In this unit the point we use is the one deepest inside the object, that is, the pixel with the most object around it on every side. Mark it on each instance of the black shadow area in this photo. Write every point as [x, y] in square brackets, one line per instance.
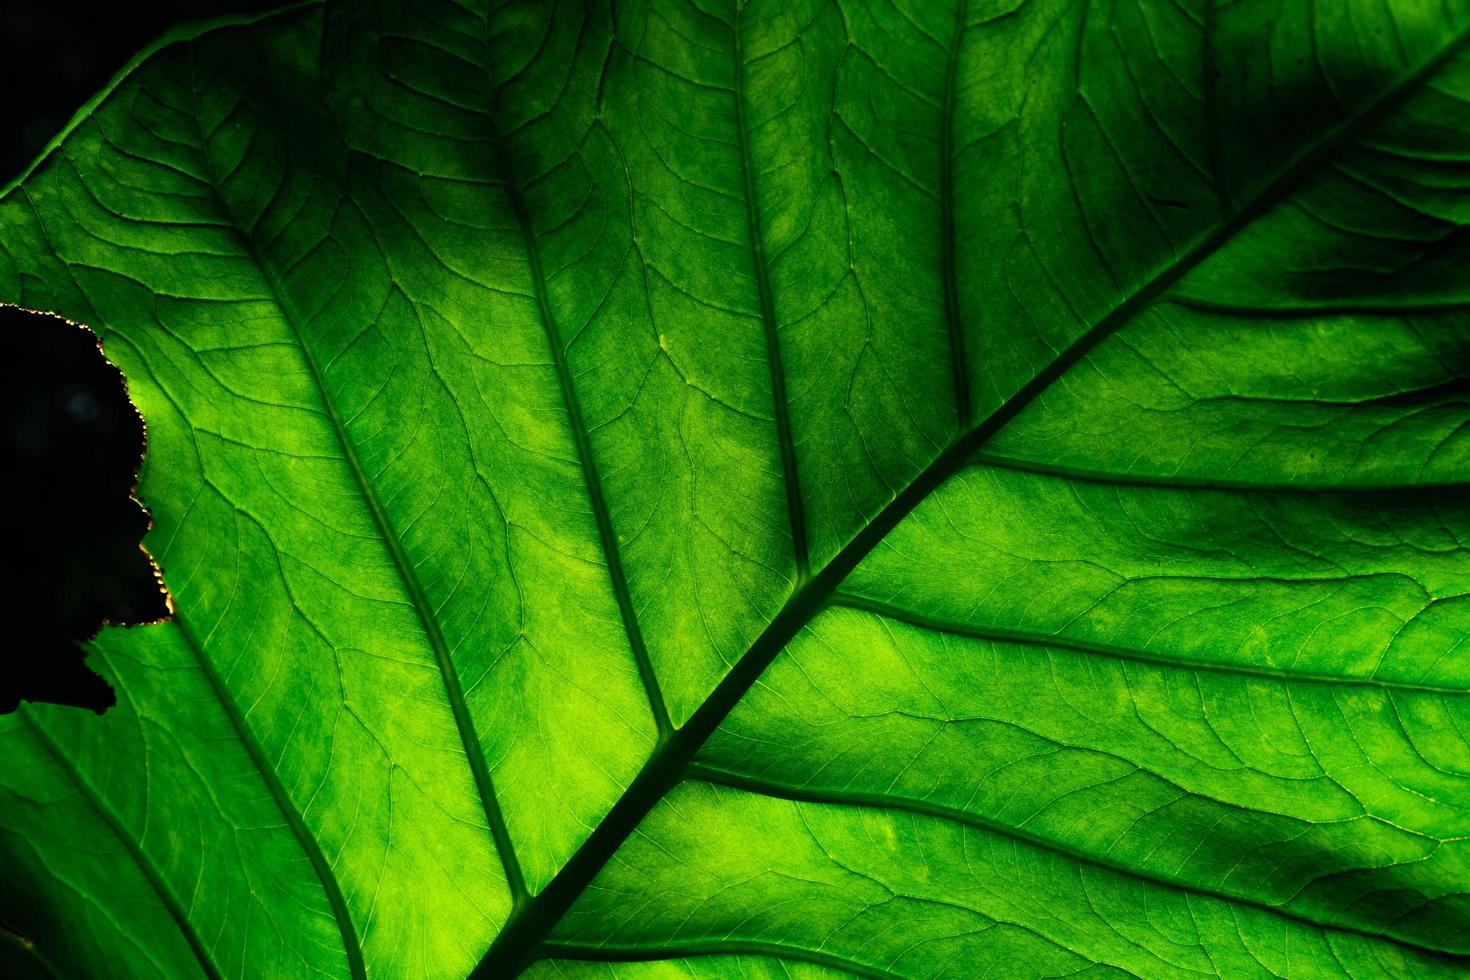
[72, 443]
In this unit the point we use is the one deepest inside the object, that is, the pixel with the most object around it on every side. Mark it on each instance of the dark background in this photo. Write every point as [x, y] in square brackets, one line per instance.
[68, 436]
[57, 54]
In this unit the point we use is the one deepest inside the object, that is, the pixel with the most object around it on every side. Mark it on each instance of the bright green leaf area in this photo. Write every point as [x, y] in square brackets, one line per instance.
[783, 488]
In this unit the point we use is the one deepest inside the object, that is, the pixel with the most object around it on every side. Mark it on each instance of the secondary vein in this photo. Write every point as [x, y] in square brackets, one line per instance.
[795, 508]
[1141, 657]
[715, 947]
[433, 632]
[1110, 478]
[28, 948]
[294, 820]
[879, 801]
[352, 949]
[418, 598]
[959, 363]
[1211, 85]
[134, 847]
[583, 440]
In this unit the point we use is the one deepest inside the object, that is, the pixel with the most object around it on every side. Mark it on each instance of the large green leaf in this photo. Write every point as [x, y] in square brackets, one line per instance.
[897, 488]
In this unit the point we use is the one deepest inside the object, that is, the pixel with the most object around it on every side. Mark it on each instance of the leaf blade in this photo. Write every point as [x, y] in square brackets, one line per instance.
[387, 180]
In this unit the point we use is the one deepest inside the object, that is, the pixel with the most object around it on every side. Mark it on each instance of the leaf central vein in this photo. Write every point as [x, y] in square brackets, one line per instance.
[524, 937]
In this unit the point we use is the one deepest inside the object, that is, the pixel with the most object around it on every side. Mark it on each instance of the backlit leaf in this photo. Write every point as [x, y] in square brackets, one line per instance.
[792, 488]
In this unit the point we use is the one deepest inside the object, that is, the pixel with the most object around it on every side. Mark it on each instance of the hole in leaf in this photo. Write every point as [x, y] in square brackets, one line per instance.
[73, 442]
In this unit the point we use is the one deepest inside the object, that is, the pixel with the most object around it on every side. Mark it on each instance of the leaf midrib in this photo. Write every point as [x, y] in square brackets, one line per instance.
[524, 934]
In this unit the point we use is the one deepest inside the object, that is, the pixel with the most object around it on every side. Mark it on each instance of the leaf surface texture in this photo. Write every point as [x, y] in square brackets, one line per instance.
[772, 489]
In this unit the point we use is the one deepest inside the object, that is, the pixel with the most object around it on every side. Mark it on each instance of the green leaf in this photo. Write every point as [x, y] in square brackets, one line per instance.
[772, 488]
